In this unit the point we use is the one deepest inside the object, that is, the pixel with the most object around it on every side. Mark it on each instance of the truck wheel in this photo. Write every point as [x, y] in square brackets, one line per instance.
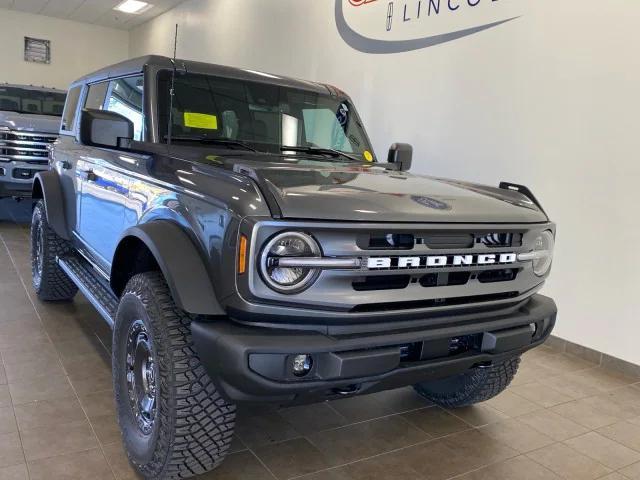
[475, 386]
[174, 422]
[49, 281]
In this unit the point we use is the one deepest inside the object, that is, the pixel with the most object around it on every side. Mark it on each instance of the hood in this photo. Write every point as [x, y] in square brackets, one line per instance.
[29, 122]
[373, 194]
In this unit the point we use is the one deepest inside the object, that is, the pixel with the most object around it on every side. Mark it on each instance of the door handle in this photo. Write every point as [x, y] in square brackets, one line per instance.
[89, 175]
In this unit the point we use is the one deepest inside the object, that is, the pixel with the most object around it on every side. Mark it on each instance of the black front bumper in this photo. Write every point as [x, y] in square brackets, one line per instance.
[15, 189]
[253, 364]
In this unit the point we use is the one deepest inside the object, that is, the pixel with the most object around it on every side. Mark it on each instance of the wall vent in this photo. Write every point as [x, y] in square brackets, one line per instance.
[37, 50]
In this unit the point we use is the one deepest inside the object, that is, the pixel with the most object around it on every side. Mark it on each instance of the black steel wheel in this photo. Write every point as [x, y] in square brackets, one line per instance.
[141, 376]
[174, 422]
[49, 281]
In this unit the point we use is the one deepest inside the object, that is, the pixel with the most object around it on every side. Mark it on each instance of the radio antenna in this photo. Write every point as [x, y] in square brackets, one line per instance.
[172, 89]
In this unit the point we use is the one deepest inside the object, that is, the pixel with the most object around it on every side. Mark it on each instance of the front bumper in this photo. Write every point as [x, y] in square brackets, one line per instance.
[16, 178]
[253, 364]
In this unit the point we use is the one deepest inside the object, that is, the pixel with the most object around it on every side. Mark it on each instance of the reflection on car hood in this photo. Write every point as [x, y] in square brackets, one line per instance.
[369, 193]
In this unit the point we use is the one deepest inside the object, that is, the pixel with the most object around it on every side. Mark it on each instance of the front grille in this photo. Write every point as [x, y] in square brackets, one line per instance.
[435, 302]
[28, 147]
[405, 266]
[437, 240]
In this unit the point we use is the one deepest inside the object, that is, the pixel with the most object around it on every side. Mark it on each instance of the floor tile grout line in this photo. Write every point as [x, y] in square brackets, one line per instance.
[572, 449]
[24, 456]
[423, 442]
[261, 463]
[60, 360]
[305, 435]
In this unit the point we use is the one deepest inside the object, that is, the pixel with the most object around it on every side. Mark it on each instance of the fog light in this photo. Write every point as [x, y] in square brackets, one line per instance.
[302, 365]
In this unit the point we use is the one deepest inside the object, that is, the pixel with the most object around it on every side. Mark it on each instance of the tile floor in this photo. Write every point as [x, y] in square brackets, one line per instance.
[563, 417]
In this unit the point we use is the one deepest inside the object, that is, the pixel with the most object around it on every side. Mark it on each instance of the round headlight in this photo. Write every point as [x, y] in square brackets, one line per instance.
[289, 279]
[542, 254]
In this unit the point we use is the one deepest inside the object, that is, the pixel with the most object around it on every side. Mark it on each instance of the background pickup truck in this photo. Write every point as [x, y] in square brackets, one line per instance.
[29, 123]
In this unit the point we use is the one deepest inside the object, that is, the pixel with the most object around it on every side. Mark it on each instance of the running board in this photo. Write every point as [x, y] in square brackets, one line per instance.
[85, 277]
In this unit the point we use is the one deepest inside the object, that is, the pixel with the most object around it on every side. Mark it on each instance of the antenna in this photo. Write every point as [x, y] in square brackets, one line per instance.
[172, 89]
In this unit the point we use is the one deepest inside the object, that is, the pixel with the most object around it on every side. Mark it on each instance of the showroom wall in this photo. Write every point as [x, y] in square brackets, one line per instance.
[76, 48]
[548, 99]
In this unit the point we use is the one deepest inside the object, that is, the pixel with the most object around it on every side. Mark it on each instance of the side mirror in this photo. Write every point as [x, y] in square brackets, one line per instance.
[401, 154]
[101, 128]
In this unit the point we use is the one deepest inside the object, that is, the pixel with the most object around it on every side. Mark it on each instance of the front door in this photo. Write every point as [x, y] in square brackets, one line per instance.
[103, 172]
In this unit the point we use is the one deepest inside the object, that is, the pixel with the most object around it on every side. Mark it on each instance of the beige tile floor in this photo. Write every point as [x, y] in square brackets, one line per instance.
[562, 418]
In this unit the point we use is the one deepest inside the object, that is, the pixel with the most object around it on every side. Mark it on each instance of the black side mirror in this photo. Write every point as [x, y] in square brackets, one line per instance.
[401, 154]
[101, 128]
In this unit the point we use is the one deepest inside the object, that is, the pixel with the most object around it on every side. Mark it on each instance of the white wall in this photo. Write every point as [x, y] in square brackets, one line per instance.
[550, 100]
[76, 49]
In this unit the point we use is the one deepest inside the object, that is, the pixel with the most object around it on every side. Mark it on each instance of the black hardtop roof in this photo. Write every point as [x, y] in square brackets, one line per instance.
[137, 65]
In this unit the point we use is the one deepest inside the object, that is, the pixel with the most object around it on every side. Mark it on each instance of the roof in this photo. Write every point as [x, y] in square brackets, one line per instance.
[33, 87]
[137, 65]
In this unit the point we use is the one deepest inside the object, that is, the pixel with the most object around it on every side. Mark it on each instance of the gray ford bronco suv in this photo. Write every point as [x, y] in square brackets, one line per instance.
[29, 123]
[238, 233]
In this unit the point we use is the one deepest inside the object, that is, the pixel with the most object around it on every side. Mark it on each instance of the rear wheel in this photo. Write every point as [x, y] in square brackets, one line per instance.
[174, 422]
[49, 281]
[475, 386]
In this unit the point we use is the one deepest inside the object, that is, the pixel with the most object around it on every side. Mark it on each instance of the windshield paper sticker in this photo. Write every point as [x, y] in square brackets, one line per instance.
[202, 121]
[368, 156]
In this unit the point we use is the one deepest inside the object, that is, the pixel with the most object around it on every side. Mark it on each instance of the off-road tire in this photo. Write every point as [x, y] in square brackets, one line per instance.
[475, 386]
[193, 427]
[49, 281]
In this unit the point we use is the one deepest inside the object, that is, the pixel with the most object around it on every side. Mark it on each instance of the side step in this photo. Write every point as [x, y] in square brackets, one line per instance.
[87, 280]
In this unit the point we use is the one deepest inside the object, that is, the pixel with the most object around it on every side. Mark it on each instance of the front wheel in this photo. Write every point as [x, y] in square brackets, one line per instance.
[468, 388]
[174, 422]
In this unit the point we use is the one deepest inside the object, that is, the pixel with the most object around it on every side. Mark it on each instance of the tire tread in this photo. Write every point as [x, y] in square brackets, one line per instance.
[475, 386]
[197, 430]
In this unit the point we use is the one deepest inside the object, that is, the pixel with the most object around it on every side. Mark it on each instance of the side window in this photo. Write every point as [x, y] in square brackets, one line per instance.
[96, 95]
[124, 96]
[71, 105]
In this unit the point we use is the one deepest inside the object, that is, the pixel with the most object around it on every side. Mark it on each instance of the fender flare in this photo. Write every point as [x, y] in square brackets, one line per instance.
[46, 186]
[181, 263]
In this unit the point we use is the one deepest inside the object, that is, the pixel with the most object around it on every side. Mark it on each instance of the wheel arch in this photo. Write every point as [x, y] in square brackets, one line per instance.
[163, 245]
[46, 187]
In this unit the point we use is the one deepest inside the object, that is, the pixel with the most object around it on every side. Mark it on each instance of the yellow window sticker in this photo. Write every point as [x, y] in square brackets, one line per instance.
[368, 156]
[203, 121]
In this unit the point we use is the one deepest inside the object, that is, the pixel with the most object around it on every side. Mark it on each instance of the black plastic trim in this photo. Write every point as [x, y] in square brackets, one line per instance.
[225, 348]
[46, 185]
[181, 264]
[523, 190]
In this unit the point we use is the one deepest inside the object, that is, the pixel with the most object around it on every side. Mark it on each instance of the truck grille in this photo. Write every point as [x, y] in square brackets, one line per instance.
[416, 283]
[27, 147]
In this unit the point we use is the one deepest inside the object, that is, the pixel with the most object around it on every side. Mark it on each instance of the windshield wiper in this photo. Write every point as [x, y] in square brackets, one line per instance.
[211, 141]
[320, 151]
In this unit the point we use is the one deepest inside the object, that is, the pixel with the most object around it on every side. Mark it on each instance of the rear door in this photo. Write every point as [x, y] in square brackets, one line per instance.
[103, 172]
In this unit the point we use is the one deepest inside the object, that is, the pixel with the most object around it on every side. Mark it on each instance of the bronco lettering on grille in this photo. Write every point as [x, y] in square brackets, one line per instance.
[378, 263]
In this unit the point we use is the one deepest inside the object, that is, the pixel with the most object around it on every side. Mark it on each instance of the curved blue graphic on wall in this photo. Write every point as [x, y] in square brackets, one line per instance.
[401, 13]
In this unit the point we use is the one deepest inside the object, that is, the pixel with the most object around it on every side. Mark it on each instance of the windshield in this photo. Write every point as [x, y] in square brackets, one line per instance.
[26, 100]
[268, 118]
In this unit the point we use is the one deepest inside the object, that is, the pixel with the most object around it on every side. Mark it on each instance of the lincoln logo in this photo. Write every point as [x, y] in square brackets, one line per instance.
[382, 19]
[375, 263]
